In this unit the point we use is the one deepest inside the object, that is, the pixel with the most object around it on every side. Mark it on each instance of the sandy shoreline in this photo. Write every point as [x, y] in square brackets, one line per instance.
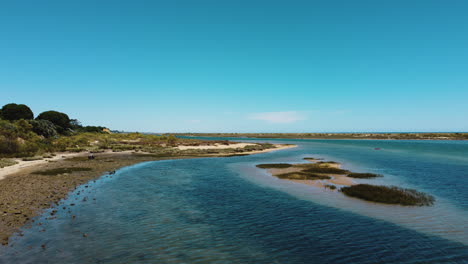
[277, 147]
[21, 165]
[217, 146]
[24, 194]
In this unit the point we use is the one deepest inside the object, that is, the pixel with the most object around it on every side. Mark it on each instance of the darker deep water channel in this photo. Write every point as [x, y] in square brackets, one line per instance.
[209, 211]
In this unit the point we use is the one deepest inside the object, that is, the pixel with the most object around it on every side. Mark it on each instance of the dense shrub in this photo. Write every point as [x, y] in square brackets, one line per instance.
[60, 120]
[8, 138]
[43, 128]
[74, 142]
[7, 162]
[93, 129]
[388, 195]
[18, 139]
[171, 140]
[16, 112]
[8, 146]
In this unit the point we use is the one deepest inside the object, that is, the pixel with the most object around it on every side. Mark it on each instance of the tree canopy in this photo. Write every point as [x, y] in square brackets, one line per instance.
[44, 128]
[16, 112]
[60, 120]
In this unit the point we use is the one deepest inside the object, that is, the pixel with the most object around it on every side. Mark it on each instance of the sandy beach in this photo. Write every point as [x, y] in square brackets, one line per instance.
[21, 164]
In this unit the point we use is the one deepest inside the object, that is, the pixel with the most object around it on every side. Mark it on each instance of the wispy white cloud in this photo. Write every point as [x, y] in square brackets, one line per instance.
[278, 117]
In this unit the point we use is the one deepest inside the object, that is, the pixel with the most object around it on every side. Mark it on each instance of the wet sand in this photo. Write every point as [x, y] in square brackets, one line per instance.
[21, 164]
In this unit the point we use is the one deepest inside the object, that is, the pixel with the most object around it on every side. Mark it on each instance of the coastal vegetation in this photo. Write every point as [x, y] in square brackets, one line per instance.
[58, 171]
[7, 162]
[274, 166]
[61, 121]
[417, 136]
[312, 159]
[318, 168]
[302, 175]
[307, 171]
[21, 136]
[363, 175]
[13, 112]
[388, 195]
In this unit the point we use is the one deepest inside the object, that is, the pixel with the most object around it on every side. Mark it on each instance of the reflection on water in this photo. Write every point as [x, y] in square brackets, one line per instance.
[224, 210]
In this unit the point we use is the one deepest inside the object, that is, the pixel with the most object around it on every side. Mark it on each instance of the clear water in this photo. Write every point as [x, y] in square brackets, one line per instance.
[224, 210]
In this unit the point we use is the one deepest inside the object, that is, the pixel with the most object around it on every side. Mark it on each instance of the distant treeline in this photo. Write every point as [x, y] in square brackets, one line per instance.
[421, 136]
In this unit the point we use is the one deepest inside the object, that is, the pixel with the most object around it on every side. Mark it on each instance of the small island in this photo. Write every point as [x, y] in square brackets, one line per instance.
[330, 175]
[388, 195]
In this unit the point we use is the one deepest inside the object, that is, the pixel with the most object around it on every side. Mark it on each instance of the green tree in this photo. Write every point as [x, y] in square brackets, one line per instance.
[43, 127]
[15, 112]
[60, 120]
[75, 124]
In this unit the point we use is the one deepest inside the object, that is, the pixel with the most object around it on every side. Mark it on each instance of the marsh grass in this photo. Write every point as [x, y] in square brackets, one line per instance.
[7, 162]
[75, 159]
[274, 166]
[57, 171]
[302, 176]
[388, 195]
[312, 159]
[234, 155]
[323, 169]
[31, 158]
[364, 175]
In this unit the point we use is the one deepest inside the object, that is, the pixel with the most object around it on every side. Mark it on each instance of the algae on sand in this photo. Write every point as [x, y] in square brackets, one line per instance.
[58, 171]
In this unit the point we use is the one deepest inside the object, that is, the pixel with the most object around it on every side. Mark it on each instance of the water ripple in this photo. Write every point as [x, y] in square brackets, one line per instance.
[203, 211]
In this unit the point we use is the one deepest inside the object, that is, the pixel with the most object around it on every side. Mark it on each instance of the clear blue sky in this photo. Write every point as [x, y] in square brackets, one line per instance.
[240, 66]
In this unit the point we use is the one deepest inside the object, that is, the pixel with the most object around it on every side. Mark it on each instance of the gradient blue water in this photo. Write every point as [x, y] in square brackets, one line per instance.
[224, 210]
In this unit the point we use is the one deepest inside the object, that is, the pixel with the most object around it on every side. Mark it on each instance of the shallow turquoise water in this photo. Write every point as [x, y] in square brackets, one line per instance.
[224, 210]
